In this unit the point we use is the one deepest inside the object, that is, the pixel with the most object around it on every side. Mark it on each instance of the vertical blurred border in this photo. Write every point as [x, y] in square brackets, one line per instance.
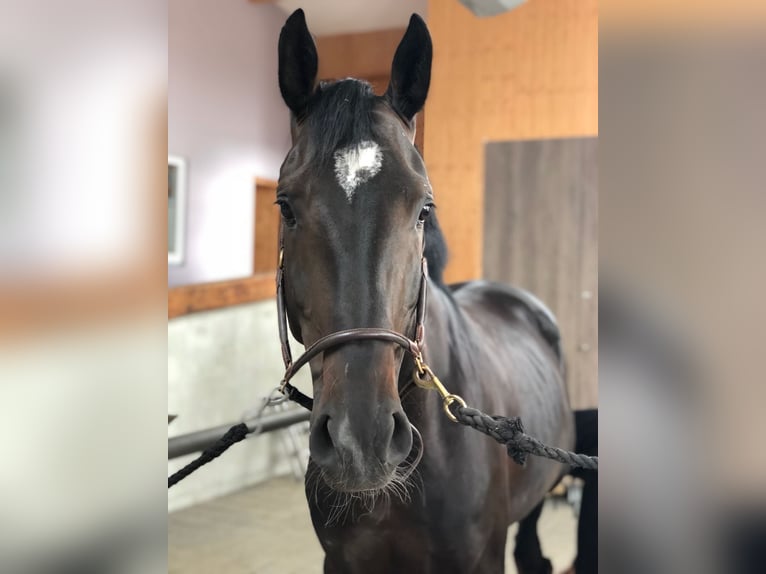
[682, 281]
[83, 143]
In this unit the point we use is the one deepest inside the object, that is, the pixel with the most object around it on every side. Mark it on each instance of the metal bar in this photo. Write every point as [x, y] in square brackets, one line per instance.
[200, 440]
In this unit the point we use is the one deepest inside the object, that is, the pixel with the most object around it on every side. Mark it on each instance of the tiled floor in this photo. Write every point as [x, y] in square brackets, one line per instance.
[266, 530]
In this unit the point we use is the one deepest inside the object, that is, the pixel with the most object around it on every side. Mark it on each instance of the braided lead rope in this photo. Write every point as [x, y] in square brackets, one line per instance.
[510, 432]
[235, 434]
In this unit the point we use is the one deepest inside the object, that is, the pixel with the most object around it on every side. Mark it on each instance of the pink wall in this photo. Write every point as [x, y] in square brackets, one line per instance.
[227, 119]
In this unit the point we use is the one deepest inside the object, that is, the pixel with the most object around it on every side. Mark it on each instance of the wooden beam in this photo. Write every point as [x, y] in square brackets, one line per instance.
[209, 296]
[265, 250]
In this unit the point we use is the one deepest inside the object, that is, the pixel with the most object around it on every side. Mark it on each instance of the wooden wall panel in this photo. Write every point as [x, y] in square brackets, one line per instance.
[541, 234]
[529, 73]
[362, 55]
[217, 295]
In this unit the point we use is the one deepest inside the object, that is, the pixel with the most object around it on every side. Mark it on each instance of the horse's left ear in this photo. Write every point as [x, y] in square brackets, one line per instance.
[411, 70]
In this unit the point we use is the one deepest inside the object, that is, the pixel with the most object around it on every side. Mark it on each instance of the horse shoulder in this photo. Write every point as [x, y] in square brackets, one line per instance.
[511, 304]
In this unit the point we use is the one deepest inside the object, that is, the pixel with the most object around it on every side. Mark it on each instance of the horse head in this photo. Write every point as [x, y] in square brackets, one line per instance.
[356, 205]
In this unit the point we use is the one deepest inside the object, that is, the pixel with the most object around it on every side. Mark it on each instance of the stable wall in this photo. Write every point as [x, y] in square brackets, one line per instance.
[227, 118]
[221, 364]
[531, 73]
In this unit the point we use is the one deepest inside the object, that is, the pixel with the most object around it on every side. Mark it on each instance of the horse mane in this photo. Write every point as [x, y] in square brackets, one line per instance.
[435, 250]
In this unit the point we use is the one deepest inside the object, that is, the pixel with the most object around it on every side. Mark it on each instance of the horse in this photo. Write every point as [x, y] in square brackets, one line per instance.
[392, 484]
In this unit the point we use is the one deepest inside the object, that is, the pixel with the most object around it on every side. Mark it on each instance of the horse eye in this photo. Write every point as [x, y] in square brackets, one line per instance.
[287, 212]
[424, 213]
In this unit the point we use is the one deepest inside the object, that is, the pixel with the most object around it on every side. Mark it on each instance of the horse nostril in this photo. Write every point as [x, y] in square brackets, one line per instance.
[401, 438]
[320, 441]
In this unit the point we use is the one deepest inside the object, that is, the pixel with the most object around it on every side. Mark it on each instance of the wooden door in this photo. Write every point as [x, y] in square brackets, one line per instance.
[541, 234]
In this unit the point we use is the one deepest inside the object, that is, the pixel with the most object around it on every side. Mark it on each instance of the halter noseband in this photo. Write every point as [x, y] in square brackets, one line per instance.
[413, 346]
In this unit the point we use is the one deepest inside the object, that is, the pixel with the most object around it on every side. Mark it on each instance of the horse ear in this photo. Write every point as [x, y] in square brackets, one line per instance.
[298, 63]
[411, 70]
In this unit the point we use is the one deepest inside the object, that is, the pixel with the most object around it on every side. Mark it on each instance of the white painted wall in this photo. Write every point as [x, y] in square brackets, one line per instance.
[226, 117]
[220, 364]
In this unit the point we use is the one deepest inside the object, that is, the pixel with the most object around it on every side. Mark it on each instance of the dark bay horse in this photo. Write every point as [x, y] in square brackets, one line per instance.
[358, 215]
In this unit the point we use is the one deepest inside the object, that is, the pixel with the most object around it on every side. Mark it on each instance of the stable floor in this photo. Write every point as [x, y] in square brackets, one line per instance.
[266, 530]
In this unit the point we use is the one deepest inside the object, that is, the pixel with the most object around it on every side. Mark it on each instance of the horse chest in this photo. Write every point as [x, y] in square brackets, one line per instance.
[419, 537]
[375, 543]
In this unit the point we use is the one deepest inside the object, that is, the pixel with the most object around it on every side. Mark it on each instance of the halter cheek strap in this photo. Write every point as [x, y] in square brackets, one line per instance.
[284, 341]
[413, 346]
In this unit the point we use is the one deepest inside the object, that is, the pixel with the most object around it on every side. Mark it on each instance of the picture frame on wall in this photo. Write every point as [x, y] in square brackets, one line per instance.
[177, 171]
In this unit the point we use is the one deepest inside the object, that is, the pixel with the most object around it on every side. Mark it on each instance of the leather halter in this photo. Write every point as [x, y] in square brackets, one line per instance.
[413, 346]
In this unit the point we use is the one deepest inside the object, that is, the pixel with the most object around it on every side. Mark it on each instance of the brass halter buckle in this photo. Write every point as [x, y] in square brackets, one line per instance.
[425, 378]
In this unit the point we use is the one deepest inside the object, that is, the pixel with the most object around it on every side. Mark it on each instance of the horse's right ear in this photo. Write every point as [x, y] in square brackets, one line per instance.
[298, 63]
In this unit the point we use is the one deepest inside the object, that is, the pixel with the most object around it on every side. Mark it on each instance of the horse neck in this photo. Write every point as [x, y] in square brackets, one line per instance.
[449, 358]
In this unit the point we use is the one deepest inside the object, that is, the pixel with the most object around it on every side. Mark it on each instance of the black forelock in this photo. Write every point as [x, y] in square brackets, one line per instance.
[340, 114]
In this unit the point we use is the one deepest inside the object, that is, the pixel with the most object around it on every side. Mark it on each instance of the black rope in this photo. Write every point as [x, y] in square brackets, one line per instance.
[510, 432]
[235, 434]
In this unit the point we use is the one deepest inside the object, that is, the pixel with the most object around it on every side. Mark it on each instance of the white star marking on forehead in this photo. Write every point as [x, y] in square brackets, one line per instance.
[356, 164]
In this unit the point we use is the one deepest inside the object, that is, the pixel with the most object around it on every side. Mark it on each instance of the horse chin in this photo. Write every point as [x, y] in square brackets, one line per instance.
[355, 483]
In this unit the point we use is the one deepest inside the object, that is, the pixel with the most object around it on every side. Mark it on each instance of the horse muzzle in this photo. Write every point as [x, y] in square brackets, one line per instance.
[360, 451]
